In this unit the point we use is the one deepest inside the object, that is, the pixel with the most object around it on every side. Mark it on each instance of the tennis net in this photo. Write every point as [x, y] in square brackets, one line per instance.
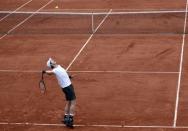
[130, 22]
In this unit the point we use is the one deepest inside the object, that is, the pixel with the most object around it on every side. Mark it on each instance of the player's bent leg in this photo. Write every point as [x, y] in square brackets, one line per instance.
[67, 108]
[67, 112]
[72, 107]
[70, 122]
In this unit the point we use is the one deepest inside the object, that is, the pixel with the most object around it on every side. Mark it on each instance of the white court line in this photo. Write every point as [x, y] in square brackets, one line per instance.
[125, 72]
[141, 34]
[180, 69]
[96, 13]
[119, 9]
[90, 125]
[20, 71]
[88, 40]
[26, 19]
[15, 10]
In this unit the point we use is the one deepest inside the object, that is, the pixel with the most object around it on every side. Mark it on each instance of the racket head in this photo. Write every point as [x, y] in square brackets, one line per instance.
[42, 86]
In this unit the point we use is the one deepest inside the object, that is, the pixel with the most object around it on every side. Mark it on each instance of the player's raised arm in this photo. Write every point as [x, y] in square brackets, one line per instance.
[49, 72]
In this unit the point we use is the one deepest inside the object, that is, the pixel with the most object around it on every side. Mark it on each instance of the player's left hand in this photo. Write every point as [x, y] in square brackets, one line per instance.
[70, 77]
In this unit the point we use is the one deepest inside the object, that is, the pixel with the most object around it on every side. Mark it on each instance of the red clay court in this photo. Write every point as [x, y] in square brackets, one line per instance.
[129, 58]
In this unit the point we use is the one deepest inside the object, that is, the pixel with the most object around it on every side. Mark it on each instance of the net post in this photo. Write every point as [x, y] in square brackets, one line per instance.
[92, 22]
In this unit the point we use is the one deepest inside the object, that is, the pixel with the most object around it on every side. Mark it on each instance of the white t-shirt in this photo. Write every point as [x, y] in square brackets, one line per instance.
[62, 76]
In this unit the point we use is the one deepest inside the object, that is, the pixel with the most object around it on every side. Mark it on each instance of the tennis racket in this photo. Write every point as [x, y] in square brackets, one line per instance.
[42, 86]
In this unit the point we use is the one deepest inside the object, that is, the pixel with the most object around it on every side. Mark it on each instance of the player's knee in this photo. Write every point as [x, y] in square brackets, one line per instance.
[73, 102]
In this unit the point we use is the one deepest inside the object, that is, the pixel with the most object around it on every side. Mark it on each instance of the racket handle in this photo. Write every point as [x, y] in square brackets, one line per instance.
[43, 71]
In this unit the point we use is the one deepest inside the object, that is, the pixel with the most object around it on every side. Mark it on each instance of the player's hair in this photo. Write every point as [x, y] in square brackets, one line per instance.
[51, 65]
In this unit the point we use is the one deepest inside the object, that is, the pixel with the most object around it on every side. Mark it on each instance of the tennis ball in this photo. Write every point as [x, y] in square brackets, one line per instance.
[56, 7]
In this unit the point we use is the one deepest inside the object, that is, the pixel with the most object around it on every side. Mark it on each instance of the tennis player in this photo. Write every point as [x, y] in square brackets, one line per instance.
[67, 87]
